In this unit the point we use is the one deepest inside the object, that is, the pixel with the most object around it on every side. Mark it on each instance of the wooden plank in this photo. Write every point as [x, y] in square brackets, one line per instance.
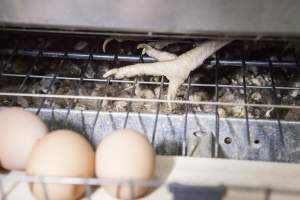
[206, 171]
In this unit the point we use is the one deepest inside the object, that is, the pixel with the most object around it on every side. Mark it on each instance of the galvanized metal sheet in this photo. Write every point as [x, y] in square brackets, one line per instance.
[255, 17]
[265, 143]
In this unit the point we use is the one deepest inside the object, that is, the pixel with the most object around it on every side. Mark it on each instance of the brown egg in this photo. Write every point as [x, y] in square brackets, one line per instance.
[125, 154]
[61, 153]
[19, 131]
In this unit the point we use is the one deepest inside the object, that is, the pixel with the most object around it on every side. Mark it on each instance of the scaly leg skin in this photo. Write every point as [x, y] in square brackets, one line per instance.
[162, 44]
[107, 41]
[175, 68]
[156, 45]
[157, 54]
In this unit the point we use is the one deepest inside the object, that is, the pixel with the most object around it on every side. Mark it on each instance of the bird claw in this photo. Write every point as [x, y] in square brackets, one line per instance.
[114, 72]
[176, 69]
[142, 46]
[145, 48]
[127, 71]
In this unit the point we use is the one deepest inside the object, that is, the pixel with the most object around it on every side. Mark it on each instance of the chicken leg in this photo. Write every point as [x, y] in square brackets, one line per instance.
[175, 68]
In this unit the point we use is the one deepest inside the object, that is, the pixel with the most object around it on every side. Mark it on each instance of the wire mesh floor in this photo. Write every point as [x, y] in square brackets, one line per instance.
[244, 84]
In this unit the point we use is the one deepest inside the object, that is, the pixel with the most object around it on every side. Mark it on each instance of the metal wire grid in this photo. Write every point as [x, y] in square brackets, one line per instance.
[116, 58]
[88, 183]
[93, 55]
[91, 183]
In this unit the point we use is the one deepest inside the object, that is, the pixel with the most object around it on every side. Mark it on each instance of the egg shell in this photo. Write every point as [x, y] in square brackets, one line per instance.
[19, 131]
[61, 153]
[125, 154]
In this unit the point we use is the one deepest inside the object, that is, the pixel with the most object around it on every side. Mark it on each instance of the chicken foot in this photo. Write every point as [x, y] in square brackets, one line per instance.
[175, 68]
